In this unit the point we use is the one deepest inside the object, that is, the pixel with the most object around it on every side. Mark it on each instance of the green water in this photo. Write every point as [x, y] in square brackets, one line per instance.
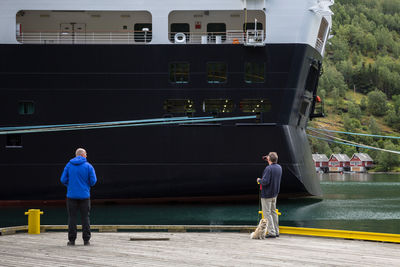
[361, 202]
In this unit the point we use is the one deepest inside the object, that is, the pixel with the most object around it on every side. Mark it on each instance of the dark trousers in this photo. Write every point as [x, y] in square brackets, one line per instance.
[83, 205]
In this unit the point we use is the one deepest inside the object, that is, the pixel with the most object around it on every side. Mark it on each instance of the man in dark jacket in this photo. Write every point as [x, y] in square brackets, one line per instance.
[271, 182]
[78, 177]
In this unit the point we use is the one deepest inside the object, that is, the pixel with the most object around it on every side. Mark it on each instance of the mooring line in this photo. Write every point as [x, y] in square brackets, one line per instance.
[66, 127]
[355, 145]
[351, 133]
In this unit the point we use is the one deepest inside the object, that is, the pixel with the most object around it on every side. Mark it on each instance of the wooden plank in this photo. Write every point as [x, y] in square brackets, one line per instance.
[395, 238]
[192, 249]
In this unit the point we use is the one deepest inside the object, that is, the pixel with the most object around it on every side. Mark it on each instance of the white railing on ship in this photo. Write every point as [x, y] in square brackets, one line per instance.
[84, 38]
[228, 37]
[319, 45]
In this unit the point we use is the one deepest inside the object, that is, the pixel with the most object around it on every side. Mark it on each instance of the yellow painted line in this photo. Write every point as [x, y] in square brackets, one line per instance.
[394, 238]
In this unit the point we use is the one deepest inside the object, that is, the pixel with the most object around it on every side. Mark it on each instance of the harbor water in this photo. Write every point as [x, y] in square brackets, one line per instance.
[351, 201]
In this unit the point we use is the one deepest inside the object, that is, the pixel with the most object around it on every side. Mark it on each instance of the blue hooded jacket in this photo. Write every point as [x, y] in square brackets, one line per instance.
[78, 176]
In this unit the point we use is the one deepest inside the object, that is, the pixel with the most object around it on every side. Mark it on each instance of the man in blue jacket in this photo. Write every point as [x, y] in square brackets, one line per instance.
[271, 182]
[78, 176]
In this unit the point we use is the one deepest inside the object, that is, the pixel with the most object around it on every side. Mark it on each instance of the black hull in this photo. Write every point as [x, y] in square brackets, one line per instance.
[204, 161]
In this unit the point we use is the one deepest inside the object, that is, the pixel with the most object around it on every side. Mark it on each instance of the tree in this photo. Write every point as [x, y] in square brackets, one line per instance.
[346, 68]
[339, 49]
[387, 161]
[363, 103]
[396, 103]
[363, 77]
[391, 6]
[337, 150]
[386, 75]
[392, 118]
[320, 147]
[393, 114]
[331, 79]
[351, 124]
[377, 104]
[373, 127]
[354, 111]
[350, 150]
[337, 99]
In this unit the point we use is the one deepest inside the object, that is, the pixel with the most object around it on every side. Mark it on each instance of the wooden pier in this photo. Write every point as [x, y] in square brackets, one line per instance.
[191, 249]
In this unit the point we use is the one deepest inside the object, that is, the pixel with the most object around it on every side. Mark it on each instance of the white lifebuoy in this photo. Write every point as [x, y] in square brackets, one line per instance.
[180, 38]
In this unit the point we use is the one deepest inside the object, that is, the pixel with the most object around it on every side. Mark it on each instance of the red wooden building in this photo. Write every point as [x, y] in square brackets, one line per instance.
[321, 162]
[360, 162]
[339, 163]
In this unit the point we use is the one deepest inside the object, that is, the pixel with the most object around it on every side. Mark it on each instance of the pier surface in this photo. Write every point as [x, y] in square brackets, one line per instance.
[192, 249]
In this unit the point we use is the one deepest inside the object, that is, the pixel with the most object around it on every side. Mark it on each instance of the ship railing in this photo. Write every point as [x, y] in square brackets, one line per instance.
[319, 45]
[139, 37]
[228, 37]
[84, 37]
[254, 38]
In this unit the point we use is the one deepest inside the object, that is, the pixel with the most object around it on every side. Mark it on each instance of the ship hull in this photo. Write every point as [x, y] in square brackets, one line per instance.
[71, 83]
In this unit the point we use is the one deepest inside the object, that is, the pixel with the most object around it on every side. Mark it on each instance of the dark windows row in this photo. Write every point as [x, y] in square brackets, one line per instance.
[254, 72]
[215, 106]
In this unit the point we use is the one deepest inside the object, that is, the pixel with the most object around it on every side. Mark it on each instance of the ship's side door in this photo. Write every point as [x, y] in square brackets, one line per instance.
[72, 33]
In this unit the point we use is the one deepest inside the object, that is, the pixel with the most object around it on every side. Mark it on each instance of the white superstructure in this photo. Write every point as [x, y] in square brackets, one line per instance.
[118, 21]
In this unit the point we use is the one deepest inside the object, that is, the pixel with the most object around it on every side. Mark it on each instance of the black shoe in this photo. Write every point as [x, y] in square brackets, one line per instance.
[86, 243]
[277, 235]
[270, 236]
[71, 243]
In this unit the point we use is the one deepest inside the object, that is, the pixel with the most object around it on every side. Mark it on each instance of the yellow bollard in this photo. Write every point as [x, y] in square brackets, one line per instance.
[34, 221]
[262, 215]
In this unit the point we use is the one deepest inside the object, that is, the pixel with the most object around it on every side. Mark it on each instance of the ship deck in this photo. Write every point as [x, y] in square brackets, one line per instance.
[192, 249]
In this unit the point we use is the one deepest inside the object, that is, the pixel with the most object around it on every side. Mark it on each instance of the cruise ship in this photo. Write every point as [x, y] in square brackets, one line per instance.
[85, 62]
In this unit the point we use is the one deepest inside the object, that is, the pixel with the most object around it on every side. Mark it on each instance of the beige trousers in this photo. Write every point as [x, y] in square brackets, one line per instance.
[269, 211]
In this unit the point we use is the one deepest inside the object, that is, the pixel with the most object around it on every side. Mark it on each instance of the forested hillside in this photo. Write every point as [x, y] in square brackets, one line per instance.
[360, 84]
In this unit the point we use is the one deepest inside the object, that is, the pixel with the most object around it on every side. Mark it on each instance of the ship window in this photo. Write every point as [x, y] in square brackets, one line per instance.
[143, 32]
[14, 141]
[179, 72]
[216, 72]
[251, 26]
[179, 106]
[218, 106]
[214, 29]
[179, 27]
[26, 107]
[254, 72]
[255, 105]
